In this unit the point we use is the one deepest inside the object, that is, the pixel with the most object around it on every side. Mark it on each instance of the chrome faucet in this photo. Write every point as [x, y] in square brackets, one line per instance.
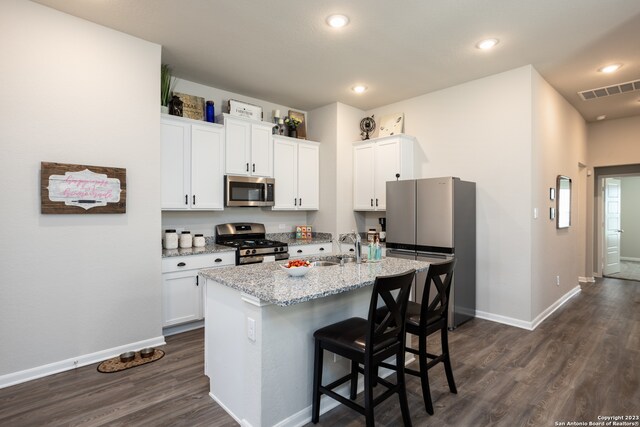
[357, 241]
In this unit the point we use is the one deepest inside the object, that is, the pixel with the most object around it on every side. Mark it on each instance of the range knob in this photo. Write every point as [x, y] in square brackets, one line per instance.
[248, 252]
[253, 251]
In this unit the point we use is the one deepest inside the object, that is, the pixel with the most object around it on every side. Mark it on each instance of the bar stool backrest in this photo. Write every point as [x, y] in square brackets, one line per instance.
[440, 304]
[389, 332]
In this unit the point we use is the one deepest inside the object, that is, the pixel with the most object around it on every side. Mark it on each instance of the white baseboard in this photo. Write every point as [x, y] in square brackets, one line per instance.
[586, 279]
[185, 327]
[553, 307]
[530, 326]
[505, 320]
[628, 258]
[243, 423]
[75, 362]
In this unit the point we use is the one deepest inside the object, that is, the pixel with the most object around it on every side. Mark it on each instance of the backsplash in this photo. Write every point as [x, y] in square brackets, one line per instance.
[205, 222]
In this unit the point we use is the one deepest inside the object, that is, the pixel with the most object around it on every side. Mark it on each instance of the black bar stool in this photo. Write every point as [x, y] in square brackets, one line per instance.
[427, 318]
[368, 342]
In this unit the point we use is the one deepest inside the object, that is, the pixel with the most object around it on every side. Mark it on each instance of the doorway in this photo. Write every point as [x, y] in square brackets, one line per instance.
[617, 209]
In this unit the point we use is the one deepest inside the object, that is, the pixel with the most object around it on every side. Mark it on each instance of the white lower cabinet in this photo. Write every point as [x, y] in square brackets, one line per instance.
[296, 169]
[182, 288]
[299, 251]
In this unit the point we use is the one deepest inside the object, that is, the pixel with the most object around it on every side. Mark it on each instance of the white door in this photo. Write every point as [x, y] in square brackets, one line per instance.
[261, 151]
[308, 177]
[237, 146]
[387, 165]
[363, 176]
[175, 165]
[285, 155]
[207, 174]
[612, 200]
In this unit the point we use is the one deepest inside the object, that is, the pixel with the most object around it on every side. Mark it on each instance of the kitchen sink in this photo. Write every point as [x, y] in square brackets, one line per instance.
[334, 260]
[324, 263]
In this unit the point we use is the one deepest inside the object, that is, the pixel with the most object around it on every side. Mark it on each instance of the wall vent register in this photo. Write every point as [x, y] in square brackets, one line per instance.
[616, 89]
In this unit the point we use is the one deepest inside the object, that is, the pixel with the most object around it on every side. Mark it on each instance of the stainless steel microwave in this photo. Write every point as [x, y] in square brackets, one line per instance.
[248, 191]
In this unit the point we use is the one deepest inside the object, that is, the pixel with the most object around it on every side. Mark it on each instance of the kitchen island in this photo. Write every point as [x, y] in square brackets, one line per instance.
[259, 325]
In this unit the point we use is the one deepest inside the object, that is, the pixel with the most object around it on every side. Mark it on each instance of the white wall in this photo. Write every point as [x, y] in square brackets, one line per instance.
[322, 125]
[76, 92]
[609, 143]
[614, 142]
[481, 131]
[221, 97]
[337, 125]
[559, 145]
[630, 218]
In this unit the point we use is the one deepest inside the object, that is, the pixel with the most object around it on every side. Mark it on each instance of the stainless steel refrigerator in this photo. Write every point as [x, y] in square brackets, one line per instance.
[434, 219]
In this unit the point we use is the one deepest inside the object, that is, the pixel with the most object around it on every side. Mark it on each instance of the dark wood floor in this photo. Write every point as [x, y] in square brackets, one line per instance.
[582, 362]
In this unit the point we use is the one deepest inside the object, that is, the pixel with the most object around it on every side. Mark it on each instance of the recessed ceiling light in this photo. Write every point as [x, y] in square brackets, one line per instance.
[337, 21]
[487, 44]
[610, 68]
[602, 117]
[359, 89]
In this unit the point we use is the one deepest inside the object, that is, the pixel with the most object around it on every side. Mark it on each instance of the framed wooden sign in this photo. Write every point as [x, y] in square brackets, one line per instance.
[192, 106]
[80, 189]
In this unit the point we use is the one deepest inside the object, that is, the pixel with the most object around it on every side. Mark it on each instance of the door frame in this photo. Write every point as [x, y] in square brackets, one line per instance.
[600, 173]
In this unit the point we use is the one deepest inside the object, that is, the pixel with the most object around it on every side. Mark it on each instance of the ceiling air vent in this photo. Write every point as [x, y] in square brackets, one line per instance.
[601, 92]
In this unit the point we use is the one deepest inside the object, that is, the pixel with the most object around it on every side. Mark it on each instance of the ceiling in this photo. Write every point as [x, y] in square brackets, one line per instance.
[282, 51]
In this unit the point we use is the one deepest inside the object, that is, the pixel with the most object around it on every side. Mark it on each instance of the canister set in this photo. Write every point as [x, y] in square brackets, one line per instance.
[184, 241]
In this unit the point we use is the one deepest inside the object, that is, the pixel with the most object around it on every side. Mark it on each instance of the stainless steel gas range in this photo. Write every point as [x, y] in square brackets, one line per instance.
[249, 240]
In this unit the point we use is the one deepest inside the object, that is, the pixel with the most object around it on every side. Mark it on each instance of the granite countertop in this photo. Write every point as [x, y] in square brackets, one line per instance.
[290, 238]
[209, 248]
[271, 283]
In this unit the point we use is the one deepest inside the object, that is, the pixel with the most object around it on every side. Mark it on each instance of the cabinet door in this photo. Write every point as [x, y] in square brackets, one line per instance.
[386, 165]
[261, 151]
[285, 155]
[207, 173]
[363, 173]
[175, 165]
[308, 177]
[237, 147]
[181, 297]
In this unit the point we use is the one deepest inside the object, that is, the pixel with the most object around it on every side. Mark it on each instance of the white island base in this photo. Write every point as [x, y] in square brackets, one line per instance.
[268, 381]
[259, 326]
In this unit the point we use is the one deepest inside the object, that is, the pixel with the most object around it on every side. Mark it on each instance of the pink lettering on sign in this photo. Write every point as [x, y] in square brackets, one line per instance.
[85, 189]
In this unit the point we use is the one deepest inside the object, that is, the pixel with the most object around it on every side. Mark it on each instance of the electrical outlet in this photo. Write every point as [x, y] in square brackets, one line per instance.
[535, 213]
[557, 280]
[251, 329]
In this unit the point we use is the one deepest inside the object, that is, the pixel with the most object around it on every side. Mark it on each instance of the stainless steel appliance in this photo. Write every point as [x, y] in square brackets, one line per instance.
[250, 242]
[248, 191]
[434, 219]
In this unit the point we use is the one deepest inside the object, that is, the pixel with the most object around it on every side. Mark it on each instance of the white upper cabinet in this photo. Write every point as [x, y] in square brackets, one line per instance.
[248, 147]
[192, 164]
[296, 169]
[377, 161]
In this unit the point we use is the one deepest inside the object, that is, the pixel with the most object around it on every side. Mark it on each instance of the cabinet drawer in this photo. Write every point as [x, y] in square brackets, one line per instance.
[311, 249]
[195, 262]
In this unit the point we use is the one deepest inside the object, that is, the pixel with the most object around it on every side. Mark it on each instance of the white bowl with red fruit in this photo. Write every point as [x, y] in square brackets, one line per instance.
[296, 267]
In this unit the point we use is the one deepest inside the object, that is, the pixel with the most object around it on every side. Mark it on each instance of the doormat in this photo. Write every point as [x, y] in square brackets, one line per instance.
[115, 365]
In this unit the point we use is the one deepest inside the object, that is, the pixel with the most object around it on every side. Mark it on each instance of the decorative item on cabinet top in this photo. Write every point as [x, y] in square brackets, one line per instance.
[367, 126]
[391, 124]
[301, 126]
[192, 106]
[244, 109]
